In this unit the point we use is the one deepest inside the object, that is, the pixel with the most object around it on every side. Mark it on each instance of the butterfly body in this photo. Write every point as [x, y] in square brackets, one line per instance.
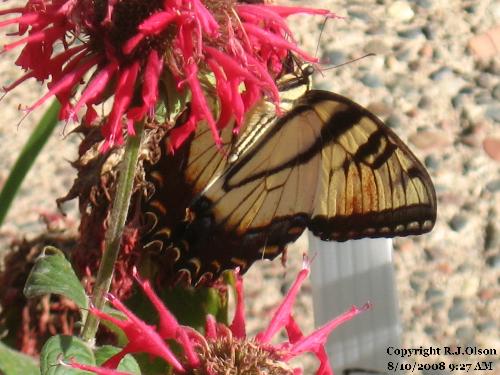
[327, 164]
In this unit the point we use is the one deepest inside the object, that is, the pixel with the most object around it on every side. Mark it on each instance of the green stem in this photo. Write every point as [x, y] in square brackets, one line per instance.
[114, 233]
[29, 153]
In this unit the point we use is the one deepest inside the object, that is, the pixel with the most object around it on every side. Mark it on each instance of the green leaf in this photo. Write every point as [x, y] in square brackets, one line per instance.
[13, 362]
[127, 364]
[191, 305]
[28, 155]
[64, 348]
[52, 274]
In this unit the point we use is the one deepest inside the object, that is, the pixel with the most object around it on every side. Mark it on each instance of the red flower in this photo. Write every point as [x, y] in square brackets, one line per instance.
[212, 353]
[124, 48]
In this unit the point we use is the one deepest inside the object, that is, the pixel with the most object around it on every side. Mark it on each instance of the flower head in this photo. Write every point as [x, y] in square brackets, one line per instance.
[222, 348]
[90, 51]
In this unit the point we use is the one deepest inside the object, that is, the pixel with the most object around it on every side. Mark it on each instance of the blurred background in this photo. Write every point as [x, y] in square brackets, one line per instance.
[435, 80]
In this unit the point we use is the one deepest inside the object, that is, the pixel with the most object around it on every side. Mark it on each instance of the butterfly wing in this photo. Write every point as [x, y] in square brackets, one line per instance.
[334, 165]
[328, 165]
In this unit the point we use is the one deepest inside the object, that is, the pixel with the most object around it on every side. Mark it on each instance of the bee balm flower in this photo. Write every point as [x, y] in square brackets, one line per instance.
[223, 349]
[90, 51]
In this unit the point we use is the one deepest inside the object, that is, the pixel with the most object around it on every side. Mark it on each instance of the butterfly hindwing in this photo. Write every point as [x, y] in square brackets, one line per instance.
[334, 162]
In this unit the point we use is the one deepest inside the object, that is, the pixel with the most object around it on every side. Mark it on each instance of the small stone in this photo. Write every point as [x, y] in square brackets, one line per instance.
[486, 45]
[401, 11]
[377, 46]
[466, 90]
[458, 222]
[484, 80]
[403, 54]
[372, 80]
[415, 285]
[487, 294]
[394, 121]
[486, 326]
[465, 334]
[441, 73]
[493, 186]
[359, 14]
[412, 33]
[424, 3]
[426, 51]
[458, 101]
[471, 8]
[483, 97]
[376, 30]
[491, 146]
[496, 92]
[438, 305]
[431, 139]
[493, 261]
[380, 109]
[425, 102]
[457, 311]
[433, 293]
[494, 9]
[334, 57]
[429, 32]
[493, 112]
[431, 162]
[473, 135]
[429, 330]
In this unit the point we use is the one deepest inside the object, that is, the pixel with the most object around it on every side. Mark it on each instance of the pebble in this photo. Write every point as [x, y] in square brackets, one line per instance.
[371, 80]
[457, 311]
[359, 14]
[465, 335]
[431, 161]
[493, 112]
[484, 46]
[377, 46]
[483, 97]
[430, 330]
[416, 284]
[486, 326]
[496, 92]
[430, 139]
[429, 31]
[412, 33]
[491, 235]
[441, 73]
[432, 292]
[458, 100]
[484, 80]
[426, 4]
[493, 186]
[458, 222]
[379, 108]
[334, 57]
[425, 102]
[403, 54]
[491, 146]
[401, 11]
[394, 121]
[493, 261]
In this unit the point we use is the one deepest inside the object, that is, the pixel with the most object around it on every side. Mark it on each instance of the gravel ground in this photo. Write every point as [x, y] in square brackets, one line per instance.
[435, 80]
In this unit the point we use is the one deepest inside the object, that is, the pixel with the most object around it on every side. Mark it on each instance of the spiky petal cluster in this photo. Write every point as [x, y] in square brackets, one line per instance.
[124, 48]
[214, 352]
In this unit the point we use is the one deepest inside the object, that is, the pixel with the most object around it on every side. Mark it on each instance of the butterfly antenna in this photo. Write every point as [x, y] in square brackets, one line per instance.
[350, 61]
[320, 35]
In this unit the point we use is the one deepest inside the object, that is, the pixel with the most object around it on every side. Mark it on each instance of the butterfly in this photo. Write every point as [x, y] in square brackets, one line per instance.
[327, 164]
